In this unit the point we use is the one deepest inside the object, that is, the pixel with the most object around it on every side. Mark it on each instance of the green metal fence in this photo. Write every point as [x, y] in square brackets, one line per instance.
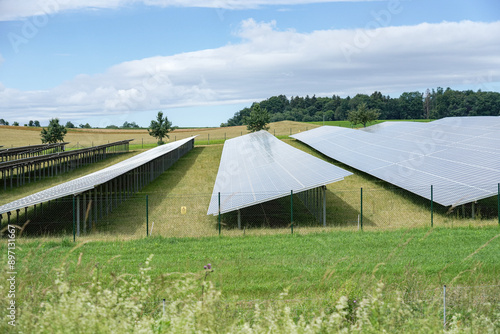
[185, 215]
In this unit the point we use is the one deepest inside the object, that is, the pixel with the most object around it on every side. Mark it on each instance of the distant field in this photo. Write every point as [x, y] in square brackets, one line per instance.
[12, 136]
[23, 136]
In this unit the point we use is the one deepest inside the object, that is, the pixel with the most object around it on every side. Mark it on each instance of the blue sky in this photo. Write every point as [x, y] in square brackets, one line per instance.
[200, 61]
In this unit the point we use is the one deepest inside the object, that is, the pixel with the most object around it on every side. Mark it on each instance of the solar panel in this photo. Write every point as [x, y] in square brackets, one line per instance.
[458, 156]
[258, 167]
[92, 180]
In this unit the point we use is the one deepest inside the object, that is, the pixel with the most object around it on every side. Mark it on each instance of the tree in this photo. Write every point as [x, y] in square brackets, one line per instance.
[411, 105]
[160, 128]
[31, 123]
[85, 126]
[37, 123]
[363, 115]
[128, 125]
[112, 127]
[3, 122]
[54, 133]
[15, 123]
[70, 125]
[258, 119]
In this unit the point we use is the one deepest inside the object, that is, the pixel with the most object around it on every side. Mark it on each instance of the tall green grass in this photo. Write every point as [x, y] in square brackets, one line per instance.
[297, 280]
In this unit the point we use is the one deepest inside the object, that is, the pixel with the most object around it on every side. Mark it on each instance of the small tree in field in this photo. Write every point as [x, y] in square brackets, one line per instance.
[362, 115]
[258, 119]
[54, 133]
[160, 128]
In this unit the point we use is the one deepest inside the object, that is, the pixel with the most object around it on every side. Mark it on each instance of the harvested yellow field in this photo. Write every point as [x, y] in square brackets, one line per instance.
[12, 136]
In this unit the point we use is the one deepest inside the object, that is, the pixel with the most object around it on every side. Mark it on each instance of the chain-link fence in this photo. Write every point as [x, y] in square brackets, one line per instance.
[116, 211]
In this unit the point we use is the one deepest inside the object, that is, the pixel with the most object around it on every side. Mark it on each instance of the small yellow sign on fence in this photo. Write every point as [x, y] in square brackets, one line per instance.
[183, 210]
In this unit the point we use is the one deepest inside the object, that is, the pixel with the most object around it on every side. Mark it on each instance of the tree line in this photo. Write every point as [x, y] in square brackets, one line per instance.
[30, 123]
[70, 125]
[432, 104]
[158, 128]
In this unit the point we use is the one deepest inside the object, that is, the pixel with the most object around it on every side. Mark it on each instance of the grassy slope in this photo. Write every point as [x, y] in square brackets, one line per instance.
[21, 136]
[260, 267]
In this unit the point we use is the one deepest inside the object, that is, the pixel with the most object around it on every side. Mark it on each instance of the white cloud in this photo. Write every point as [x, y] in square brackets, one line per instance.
[17, 9]
[269, 62]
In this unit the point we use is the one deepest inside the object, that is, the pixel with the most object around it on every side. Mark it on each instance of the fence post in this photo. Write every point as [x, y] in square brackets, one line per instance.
[361, 210]
[291, 209]
[219, 212]
[498, 199]
[147, 216]
[444, 306]
[432, 206]
[74, 231]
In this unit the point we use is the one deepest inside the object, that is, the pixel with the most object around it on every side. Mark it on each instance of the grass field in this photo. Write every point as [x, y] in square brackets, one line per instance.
[316, 266]
[260, 267]
[314, 271]
[23, 136]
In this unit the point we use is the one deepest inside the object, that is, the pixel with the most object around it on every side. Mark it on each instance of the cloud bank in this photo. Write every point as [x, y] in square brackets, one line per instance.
[268, 62]
[18, 9]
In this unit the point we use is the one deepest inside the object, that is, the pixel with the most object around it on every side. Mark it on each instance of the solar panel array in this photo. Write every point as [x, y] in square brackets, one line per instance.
[458, 156]
[92, 180]
[258, 167]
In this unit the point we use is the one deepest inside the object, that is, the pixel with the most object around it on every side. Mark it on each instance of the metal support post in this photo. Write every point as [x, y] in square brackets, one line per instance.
[219, 212]
[85, 213]
[95, 208]
[78, 215]
[239, 219]
[74, 232]
[324, 206]
[147, 216]
[361, 210]
[291, 210]
[432, 206]
[444, 306]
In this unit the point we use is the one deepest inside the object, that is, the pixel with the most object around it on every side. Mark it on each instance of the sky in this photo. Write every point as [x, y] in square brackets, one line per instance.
[105, 62]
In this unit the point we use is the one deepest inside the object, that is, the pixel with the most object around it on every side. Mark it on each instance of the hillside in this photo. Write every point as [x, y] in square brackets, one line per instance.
[23, 136]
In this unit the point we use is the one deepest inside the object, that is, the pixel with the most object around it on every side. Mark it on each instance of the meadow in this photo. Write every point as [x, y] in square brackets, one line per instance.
[387, 277]
[13, 136]
[387, 281]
